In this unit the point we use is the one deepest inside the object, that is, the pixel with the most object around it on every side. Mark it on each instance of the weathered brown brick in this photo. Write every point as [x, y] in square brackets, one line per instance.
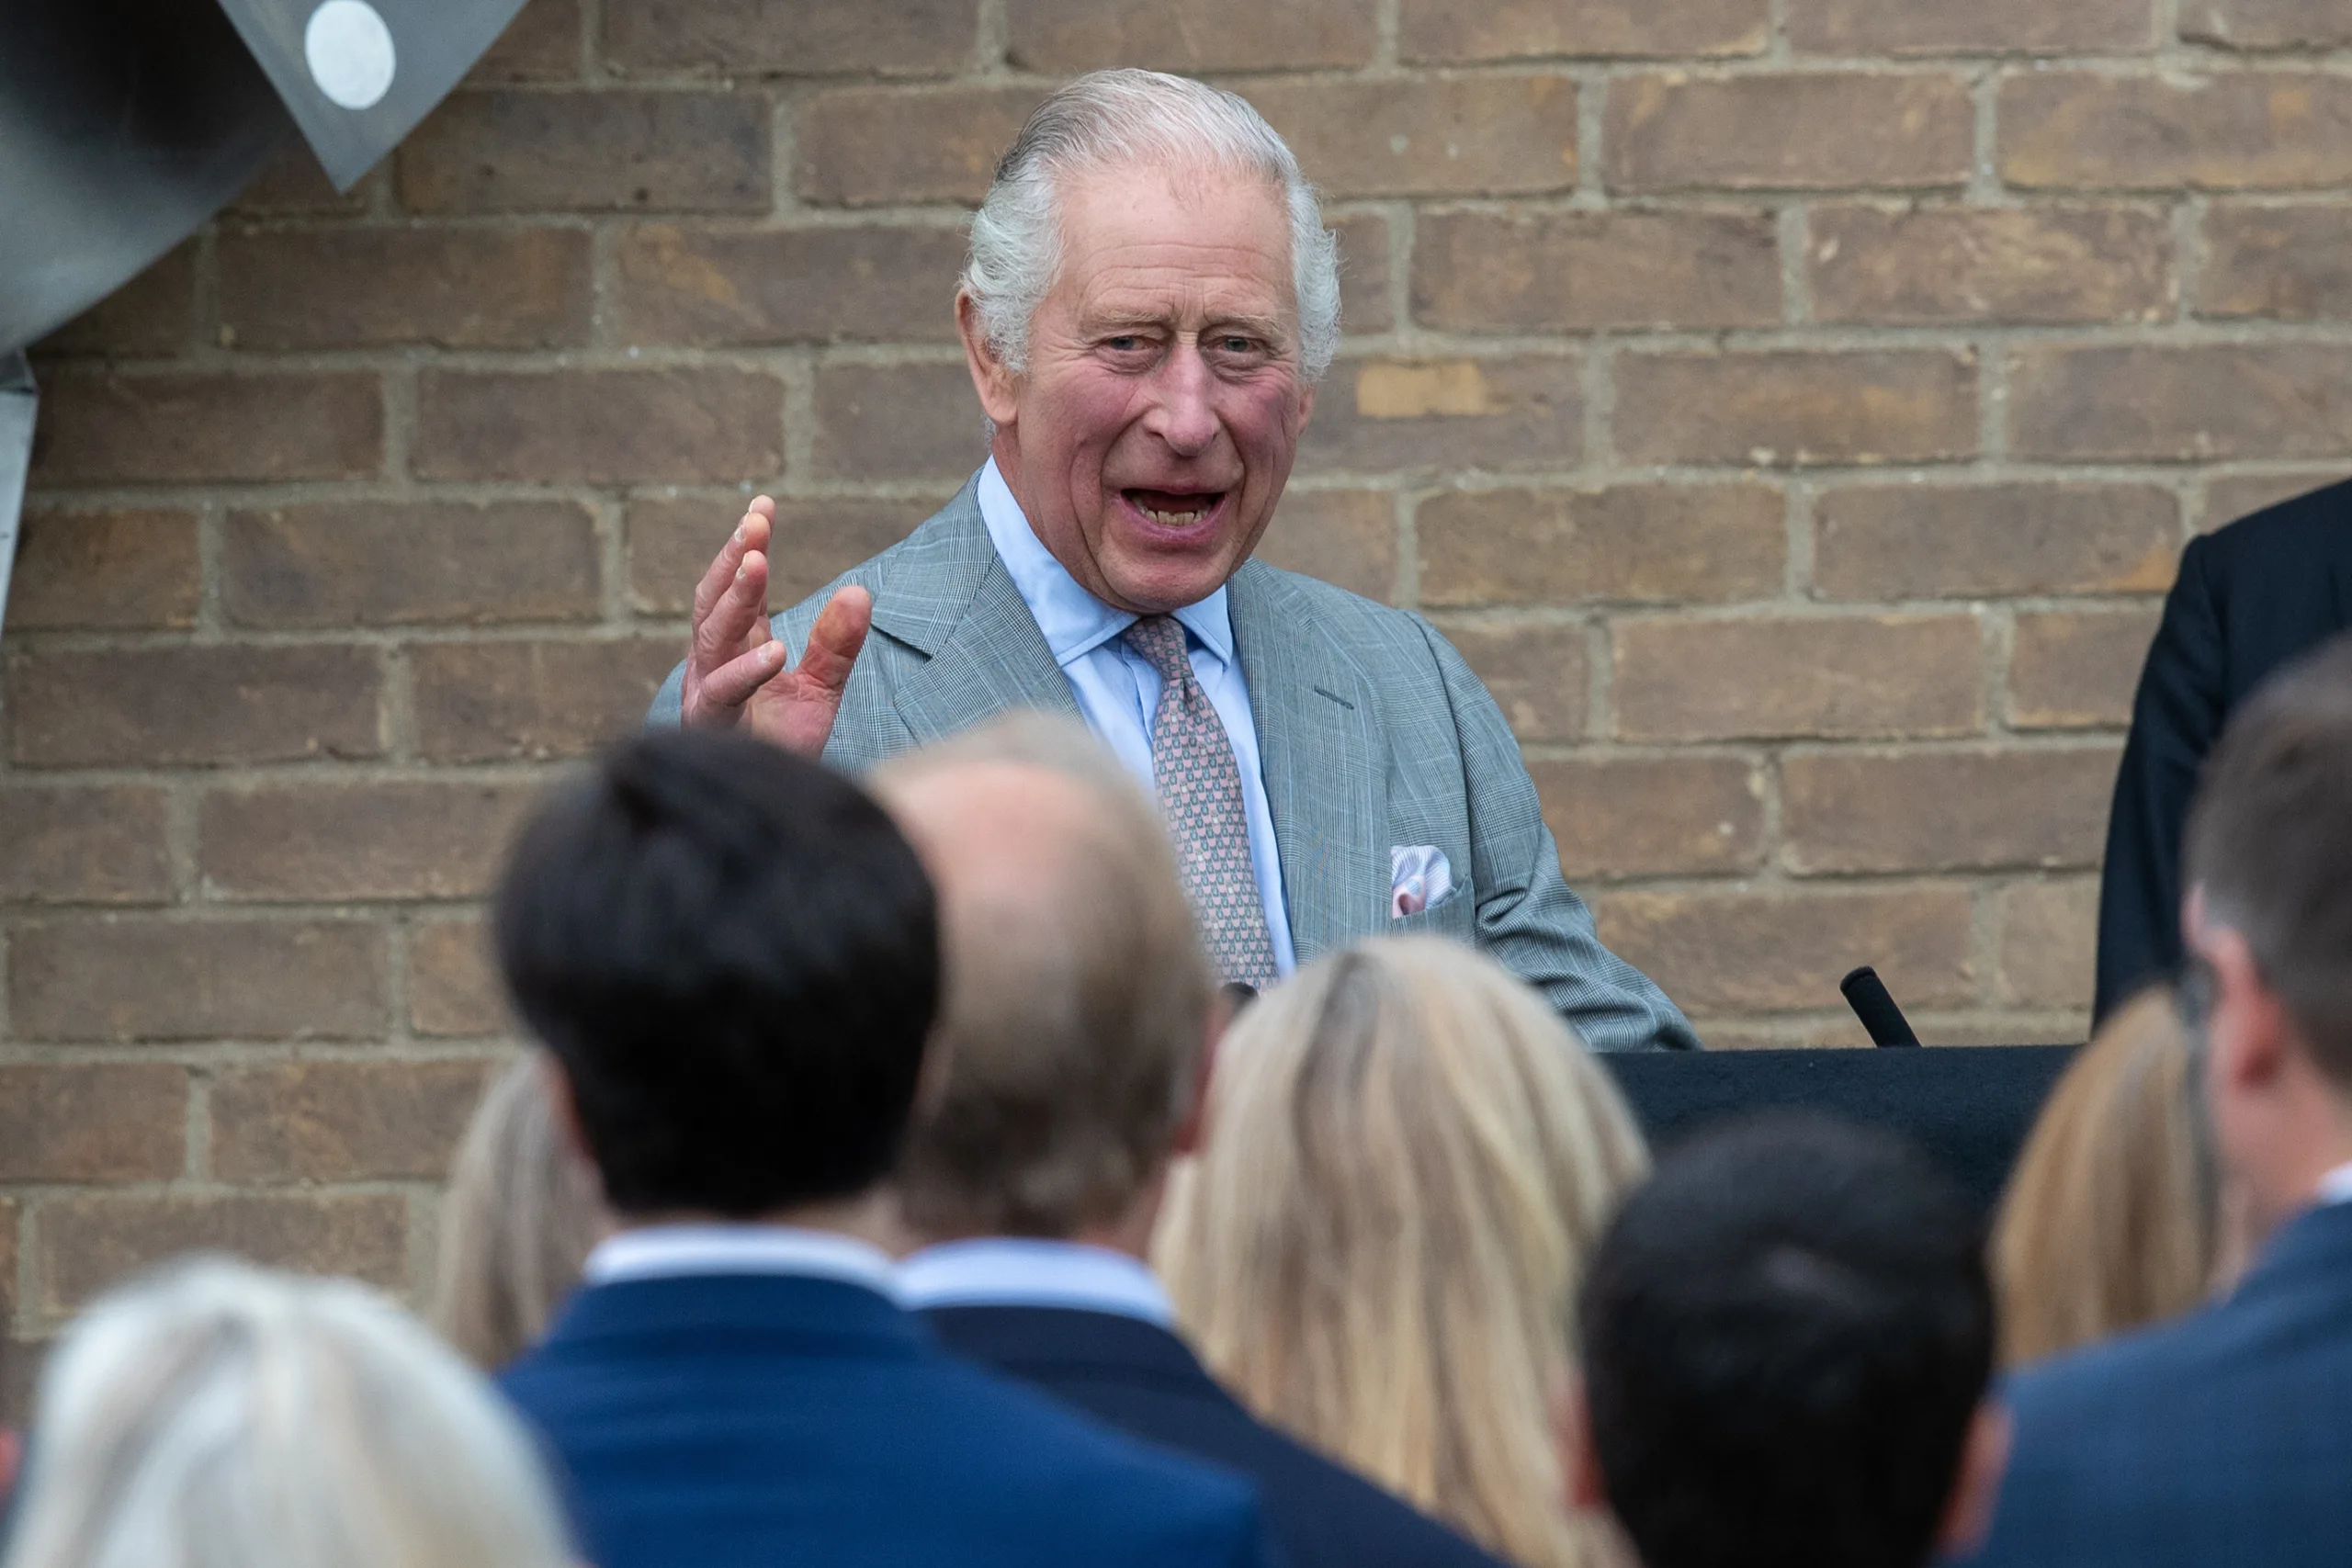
[1571, 271]
[707, 287]
[1654, 816]
[1926, 266]
[154, 313]
[605, 151]
[2242, 129]
[1475, 135]
[2287, 263]
[1856, 676]
[2077, 668]
[874, 146]
[694, 426]
[1364, 272]
[1344, 536]
[10, 1214]
[453, 984]
[124, 1121]
[1821, 131]
[1627, 544]
[2282, 400]
[387, 563]
[157, 708]
[293, 184]
[86, 1244]
[196, 427]
[1535, 673]
[1950, 542]
[366, 287]
[1853, 28]
[134, 569]
[2234, 496]
[102, 844]
[1944, 810]
[142, 977]
[490, 701]
[541, 44]
[789, 38]
[1381, 414]
[2048, 944]
[1797, 407]
[1064, 37]
[1783, 952]
[2266, 24]
[1450, 31]
[318, 842]
[341, 1120]
[898, 421]
[672, 541]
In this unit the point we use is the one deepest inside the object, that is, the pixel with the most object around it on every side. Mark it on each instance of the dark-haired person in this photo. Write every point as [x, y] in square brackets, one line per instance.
[1787, 1336]
[734, 958]
[2226, 1436]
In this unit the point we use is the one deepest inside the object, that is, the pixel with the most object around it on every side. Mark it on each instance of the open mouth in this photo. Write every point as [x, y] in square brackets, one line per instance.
[1175, 509]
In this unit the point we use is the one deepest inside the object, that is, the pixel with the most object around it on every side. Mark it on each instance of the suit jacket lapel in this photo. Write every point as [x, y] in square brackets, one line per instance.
[984, 652]
[1324, 778]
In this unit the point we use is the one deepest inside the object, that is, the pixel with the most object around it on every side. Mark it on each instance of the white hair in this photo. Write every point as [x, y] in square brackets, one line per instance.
[1108, 119]
[219, 1415]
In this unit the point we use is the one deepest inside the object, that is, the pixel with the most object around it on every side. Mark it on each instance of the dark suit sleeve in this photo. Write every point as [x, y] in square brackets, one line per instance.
[2176, 716]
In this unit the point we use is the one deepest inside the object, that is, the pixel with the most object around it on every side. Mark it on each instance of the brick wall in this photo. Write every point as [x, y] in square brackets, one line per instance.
[1793, 407]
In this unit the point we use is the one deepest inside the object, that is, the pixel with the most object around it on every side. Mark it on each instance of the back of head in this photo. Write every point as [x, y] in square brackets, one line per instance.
[517, 1223]
[2269, 845]
[734, 956]
[2111, 1216]
[1076, 996]
[215, 1414]
[1408, 1159]
[1787, 1332]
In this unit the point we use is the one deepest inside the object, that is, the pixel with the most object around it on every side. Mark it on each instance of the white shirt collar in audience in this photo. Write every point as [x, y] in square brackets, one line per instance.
[2335, 1187]
[663, 1252]
[1006, 1271]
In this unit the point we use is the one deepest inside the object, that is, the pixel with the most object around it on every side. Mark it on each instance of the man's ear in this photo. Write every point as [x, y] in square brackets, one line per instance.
[996, 385]
[1580, 1482]
[565, 1106]
[1975, 1490]
[1306, 408]
[2247, 1030]
[1193, 1131]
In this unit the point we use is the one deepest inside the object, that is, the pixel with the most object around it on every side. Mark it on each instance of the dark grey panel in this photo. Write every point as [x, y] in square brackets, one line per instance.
[411, 51]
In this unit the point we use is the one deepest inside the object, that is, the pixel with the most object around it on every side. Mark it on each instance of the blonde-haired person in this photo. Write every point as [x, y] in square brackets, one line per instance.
[215, 1413]
[2114, 1216]
[1408, 1159]
[522, 1211]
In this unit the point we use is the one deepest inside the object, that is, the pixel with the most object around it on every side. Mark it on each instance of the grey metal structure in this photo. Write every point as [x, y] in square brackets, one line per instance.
[124, 124]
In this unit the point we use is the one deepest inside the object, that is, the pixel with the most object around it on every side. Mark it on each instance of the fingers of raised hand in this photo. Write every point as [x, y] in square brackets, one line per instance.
[736, 622]
[835, 640]
[751, 533]
[729, 685]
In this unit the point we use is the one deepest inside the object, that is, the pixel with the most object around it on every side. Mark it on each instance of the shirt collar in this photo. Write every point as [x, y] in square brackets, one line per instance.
[655, 1252]
[2335, 1187]
[1075, 622]
[1010, 1271]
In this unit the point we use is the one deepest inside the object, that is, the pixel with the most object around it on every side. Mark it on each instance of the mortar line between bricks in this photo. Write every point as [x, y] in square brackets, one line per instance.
[250, 1056]
[1985, 153]
[2000, 664]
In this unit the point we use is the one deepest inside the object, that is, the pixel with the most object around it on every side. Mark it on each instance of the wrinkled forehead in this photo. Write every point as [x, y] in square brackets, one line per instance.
[1215, 237]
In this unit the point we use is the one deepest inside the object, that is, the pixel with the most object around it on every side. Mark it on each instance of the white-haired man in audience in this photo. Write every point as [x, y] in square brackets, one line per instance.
[1074, 1029]
[1150, 299]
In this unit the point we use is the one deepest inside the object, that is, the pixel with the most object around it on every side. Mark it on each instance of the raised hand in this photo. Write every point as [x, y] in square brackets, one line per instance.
[735, 670]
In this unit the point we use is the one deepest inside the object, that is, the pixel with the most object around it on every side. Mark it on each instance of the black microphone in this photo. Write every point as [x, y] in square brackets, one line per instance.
[1867, 995]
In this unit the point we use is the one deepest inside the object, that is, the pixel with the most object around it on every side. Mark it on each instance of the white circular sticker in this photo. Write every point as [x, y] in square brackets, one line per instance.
[350, 53]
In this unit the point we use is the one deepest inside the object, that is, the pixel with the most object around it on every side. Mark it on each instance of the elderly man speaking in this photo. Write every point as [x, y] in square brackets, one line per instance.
[1149, 300]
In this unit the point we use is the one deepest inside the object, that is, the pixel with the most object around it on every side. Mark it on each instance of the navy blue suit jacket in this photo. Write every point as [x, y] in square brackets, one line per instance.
[1142, 1378]
[2248, 599]
[741, 1421]
[2222, 1440]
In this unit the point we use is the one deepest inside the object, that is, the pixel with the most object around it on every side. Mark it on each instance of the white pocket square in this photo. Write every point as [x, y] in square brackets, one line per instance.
[1418, 878]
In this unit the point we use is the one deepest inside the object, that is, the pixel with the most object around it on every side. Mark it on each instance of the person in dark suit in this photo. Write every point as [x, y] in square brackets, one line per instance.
[1076, 1030]
[734, 959]
[2248, 598]
[2226, 1436]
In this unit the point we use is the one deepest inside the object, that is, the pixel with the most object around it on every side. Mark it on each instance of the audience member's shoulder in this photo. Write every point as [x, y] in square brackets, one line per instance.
[2314, 525]
[2113, 1384]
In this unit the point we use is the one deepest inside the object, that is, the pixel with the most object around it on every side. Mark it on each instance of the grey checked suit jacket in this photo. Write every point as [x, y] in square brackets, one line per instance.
[1371, 730]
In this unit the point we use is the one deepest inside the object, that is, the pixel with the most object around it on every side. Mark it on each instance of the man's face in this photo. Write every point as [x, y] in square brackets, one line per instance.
[1155, 427]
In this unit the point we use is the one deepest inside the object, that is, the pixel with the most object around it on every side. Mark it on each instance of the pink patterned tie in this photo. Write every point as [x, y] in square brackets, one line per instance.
[1199, 789]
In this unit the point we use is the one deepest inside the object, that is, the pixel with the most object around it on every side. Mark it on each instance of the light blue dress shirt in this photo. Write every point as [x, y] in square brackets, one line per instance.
[1118, 691]
[1022, 1271]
